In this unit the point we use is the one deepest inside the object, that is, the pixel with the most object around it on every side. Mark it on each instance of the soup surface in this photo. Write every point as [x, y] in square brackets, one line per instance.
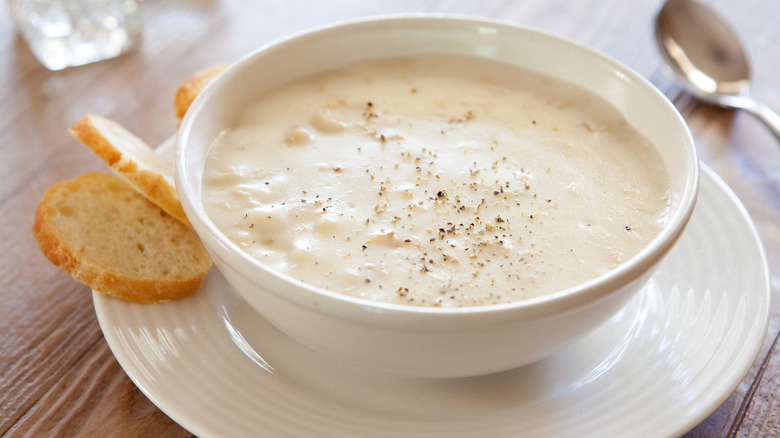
[436, 181]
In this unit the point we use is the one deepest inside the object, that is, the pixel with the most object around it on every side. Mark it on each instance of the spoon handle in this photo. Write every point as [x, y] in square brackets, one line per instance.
[762, 112]
[769, 117]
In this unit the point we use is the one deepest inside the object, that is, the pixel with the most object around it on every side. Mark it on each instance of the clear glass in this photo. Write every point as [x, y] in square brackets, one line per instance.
[65, 33]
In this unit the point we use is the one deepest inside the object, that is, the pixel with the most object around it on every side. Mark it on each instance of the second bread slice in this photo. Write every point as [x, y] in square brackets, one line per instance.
[131, 159]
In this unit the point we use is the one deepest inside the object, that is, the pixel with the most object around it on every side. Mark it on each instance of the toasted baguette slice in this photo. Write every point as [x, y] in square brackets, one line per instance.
[190, 88]
[131, 159]
[103, 232]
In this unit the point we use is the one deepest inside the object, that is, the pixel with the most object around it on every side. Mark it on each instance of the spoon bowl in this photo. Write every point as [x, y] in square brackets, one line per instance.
[707, 58]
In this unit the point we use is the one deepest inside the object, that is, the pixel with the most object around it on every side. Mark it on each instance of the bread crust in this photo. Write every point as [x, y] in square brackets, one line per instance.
[93, 271]
[191, 87]
[131, 159]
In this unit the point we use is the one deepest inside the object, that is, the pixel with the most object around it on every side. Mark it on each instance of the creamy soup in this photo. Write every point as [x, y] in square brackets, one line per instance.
[436, 181]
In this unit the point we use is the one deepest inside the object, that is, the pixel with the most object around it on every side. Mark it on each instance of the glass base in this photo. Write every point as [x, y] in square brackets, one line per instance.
[66, 33]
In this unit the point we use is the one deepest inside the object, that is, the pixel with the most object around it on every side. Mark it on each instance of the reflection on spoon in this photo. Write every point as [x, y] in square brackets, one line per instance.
[706, 56]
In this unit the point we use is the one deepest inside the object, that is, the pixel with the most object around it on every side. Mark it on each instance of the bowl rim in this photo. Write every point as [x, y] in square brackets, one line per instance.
[583, 293]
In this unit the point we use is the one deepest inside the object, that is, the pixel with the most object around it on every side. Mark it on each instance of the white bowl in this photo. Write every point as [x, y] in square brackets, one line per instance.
[433, 342]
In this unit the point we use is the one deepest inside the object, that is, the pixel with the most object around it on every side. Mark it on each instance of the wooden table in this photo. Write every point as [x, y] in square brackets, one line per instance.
[57, 375]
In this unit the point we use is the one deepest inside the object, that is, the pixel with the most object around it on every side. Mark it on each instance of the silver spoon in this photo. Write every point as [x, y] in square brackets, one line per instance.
[706, 56]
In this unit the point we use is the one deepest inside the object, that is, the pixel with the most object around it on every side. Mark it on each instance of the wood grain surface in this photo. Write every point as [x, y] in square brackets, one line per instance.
[57, 374]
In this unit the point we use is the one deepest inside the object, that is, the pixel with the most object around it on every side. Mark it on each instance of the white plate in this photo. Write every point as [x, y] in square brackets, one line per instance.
[657, 368]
